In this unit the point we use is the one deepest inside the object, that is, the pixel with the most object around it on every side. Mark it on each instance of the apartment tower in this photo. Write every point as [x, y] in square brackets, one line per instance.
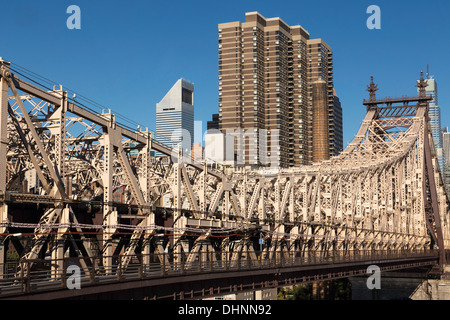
[336, 127]
[320, 68]
[266, 71]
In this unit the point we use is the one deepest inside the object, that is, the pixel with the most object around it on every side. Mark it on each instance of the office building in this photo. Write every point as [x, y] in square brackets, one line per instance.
[175, 118]
[266, 71]
[434, 112]
[446, 151]
[213, 123]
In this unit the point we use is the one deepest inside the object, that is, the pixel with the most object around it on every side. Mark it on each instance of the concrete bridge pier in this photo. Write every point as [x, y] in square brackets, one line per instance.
[434, 289]
[394, 286]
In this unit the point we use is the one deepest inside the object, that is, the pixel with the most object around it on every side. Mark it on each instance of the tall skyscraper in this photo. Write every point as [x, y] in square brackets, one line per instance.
[336, 127]
[175, 117]
[446, 150]
[266, 71]
[446, 144]
[434, 112]
[320, 68]
[320, 134]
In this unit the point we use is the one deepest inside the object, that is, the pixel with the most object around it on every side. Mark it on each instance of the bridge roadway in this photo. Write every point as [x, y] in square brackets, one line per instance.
[198, 279]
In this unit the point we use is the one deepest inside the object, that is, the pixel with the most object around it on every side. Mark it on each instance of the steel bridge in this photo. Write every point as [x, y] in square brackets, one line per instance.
[182, 229]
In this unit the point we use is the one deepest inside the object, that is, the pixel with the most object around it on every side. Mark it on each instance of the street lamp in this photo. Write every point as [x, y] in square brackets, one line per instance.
[12, 235]
[15, 235]
[3, 254]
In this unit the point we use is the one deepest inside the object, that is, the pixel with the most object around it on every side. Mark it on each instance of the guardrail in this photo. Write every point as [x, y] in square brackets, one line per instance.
[50, 275]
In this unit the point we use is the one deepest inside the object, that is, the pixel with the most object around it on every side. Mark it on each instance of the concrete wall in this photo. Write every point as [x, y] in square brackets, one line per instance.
[395, 286]
[432, 290]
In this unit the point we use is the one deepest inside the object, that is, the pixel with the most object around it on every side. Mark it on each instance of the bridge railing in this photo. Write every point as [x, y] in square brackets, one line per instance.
[74, 273]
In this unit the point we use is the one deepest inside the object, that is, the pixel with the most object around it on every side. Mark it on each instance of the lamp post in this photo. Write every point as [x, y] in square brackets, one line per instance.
[12, 235]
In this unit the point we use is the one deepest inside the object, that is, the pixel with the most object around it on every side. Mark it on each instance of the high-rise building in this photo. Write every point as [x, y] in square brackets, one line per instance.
[445, 135]
[320, 134]
[434, 113]
[446, 151]
[175, 117]
[266, 70]
[336, 127]
[320, 68]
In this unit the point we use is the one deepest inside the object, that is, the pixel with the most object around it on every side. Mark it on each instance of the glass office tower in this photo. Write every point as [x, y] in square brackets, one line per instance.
[175, 117]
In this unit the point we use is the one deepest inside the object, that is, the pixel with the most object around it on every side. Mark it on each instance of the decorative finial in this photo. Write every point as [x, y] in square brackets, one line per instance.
[421, 85]
[372, 88]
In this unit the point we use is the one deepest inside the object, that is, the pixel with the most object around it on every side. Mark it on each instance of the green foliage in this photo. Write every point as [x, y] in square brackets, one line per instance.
[342, 289]
[12, 256]
[338, 290]
[301, 292]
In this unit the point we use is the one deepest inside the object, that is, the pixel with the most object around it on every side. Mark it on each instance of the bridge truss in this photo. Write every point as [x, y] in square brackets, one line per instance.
[62, 165]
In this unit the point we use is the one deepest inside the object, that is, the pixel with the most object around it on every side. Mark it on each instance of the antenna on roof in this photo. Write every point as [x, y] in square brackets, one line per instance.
[428, 71]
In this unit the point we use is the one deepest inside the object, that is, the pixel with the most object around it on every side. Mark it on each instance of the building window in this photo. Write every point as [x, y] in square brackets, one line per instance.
[186, 96]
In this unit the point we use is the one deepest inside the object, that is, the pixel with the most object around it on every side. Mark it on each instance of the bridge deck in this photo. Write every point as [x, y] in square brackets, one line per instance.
[189, 280]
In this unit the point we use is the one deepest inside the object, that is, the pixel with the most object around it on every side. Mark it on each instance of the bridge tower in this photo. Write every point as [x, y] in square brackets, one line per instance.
[395, 111]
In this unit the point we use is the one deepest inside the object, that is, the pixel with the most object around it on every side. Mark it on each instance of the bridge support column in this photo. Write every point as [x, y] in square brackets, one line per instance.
[3, 125]
[3, 151]
[434, 205]
[3, 248]
[177, 216]
[109, 214]
[57, 252]
[149, 221]
[58, 130]
[144, 183]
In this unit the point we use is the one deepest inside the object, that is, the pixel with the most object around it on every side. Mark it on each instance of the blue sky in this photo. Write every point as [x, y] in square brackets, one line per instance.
[128, 54]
